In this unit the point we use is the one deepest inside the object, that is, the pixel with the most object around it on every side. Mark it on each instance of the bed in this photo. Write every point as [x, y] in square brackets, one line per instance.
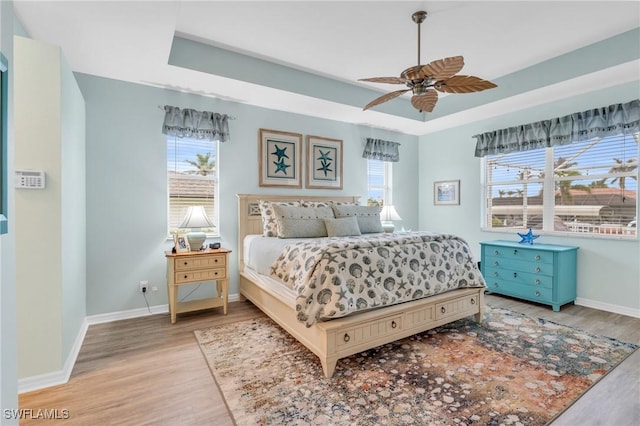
[349, 332]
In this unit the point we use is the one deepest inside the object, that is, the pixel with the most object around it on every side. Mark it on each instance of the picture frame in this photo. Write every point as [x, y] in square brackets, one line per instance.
[324, 163]
[280, 159]
[181, 243]
[446, 192]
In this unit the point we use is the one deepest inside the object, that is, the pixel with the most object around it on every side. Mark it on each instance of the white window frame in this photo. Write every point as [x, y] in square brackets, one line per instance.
[213, 208]
[548, 201]
[386, 187]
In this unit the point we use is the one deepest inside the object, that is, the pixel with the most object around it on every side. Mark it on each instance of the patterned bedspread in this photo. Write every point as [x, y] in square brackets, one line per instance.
[334, 277]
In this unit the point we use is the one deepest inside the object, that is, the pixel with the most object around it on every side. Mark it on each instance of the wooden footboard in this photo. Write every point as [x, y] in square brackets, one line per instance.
[339, 338]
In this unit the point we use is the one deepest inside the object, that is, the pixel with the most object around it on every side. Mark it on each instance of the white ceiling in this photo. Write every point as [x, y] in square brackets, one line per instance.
[344, 40]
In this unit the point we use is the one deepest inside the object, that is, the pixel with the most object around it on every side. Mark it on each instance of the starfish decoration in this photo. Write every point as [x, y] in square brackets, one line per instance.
[281, 167]
[528, 237]
[324, 156]
[280, 153]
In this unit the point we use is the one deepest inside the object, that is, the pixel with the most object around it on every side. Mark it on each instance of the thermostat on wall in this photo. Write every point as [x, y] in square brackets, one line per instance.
[31, 179]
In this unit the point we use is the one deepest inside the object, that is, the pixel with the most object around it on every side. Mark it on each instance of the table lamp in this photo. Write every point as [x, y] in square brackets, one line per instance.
[196, 219]
[387, 215]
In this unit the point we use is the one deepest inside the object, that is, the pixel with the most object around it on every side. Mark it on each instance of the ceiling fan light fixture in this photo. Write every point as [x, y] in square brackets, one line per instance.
[422, 79]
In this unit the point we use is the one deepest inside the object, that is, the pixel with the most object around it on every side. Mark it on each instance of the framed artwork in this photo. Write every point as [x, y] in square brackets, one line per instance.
[324, 163]
[181, 244]
[446, 192]
[280, 159]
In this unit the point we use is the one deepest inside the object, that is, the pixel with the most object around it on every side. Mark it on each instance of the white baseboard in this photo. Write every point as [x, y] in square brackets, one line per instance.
[60, 377]
[55, 378]
[616, 309]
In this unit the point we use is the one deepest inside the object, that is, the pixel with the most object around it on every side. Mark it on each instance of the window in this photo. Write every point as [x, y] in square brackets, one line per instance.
[378, 182]
[585, 187]
[192, 177]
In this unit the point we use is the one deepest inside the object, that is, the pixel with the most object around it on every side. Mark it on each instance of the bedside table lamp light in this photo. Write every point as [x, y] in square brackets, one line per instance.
[195, 219]
[387, 215]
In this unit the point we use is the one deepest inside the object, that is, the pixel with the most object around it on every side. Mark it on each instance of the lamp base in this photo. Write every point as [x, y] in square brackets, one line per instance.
[196, 239]
[388, 227]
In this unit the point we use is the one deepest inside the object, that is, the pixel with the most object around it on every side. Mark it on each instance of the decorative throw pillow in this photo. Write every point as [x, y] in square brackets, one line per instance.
[368, 216]
[302, 222]
[304, 203]
[269, 224]
[342, 227]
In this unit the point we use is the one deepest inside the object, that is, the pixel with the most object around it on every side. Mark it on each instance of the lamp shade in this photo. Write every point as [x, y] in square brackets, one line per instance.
[196, 217]
[389, 213]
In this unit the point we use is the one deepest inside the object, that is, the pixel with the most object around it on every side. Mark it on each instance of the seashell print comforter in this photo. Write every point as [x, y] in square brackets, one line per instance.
[335, 277]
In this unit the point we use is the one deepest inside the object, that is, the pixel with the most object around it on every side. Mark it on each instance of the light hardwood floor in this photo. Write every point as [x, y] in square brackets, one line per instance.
[147, 371]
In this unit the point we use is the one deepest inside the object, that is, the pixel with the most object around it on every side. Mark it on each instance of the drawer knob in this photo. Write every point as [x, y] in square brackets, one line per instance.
[537, 281]
[473, 301]
[515, 252]
[495, 252]
[185, 277]
[496, 285]
[495, 263]
[215, 260]
[537, 293]
[393, 324]
[443, 310]
[537, 269]
[537, 257]
[515, 275]
[346, 337]
[186, 263]
[495, 274]
[215, 273]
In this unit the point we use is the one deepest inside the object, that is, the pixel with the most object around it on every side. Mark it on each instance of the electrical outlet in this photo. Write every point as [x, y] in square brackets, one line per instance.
[144, 286]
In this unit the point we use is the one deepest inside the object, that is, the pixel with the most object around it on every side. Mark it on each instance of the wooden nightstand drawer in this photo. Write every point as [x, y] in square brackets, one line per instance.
[199, 262]
[200, 275]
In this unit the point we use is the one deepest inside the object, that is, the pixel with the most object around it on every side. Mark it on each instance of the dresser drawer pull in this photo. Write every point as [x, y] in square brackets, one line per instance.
[346, 337]
[515, 275]
[215, 260]
[537, 281]
[495, 273]
[186, 263]
[537, 257]
[515, 252]
[443, 310]
[537, 269]
[185, 277]
[537, 293]
[496, 285]
[495, 263]
[473, 301]
[394, 324]
[215, 273]
[496, 252]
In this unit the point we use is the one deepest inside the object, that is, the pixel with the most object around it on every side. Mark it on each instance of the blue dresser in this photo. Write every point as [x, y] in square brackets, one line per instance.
[543, 273]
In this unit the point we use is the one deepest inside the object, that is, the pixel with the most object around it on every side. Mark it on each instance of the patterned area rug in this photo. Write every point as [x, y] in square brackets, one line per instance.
[509, 370]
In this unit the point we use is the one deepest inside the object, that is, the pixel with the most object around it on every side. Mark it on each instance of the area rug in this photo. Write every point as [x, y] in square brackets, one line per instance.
[508, 370]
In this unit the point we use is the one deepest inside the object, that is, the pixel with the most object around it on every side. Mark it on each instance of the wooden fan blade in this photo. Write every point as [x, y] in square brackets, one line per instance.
[464, 84]
[389, 80]
[385, 98]
[425, 101]
[443, 68]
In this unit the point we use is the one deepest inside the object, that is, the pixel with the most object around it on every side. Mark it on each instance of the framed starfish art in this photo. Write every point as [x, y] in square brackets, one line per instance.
[280, 158]
[324, 163]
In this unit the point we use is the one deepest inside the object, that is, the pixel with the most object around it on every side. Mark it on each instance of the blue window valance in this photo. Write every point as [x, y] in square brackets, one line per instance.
[189, 123]
[377, 149]
[600, 122]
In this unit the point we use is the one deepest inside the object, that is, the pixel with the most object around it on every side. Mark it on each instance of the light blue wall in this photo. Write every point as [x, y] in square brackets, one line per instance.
[127, 183]
[608, 270]
[8, 340]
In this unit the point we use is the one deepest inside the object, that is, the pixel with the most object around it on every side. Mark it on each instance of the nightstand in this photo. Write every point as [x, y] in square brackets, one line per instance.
[193, 267]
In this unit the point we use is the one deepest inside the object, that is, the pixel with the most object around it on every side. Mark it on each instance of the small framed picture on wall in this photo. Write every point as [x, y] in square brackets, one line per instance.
[280, 155]
[446, 192]
[324, 163]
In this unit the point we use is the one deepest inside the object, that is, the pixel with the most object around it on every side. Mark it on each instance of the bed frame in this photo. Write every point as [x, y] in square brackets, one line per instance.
[341, 337]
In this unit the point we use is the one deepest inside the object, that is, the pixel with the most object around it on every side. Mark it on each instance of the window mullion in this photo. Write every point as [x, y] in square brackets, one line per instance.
[549, 195]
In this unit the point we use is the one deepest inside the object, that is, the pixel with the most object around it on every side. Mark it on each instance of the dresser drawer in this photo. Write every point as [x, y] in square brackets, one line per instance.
[525, 254]
[198, 262]
[520, 265]
[525, 278]
[368, 332]
[511, 288]
[200, 275]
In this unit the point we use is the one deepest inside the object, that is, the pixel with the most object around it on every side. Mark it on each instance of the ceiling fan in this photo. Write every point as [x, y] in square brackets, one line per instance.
[423, 79]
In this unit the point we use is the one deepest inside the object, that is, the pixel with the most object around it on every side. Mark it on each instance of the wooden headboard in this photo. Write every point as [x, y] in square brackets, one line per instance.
[250, 220]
